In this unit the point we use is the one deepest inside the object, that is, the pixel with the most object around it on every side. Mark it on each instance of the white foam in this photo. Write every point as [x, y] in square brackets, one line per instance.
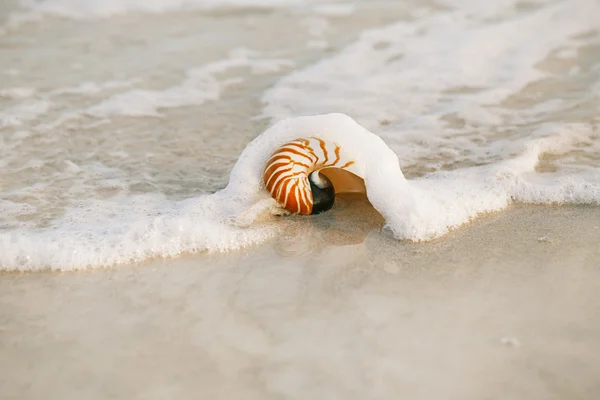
[403, 81]
[125, 229]
[106, 8]
[461, 64]
[488, 9]
[200, 85]
[101, 233]
[335, 9]
[426, 208]
[91, 88]
[32, 104]
[14, 210]
[25, 111]
[17, 92]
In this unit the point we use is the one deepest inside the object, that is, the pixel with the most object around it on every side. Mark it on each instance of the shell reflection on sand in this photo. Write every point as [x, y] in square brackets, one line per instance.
[347, 223]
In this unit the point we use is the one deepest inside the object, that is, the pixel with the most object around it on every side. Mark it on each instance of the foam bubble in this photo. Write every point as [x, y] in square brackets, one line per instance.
[449, 79]
[335, 10]
[17, 92]
[125, 229]
[118, 230]
[441, 90]
[106, 8]
[200, 85]
[91, 88]
[23, 112]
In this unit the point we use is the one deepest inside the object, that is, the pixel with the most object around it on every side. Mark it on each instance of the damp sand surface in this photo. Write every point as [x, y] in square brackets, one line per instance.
[116, 114]
[505, 307]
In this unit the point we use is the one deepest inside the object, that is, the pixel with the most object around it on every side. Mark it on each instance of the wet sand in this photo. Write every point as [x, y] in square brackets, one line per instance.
[507, 307]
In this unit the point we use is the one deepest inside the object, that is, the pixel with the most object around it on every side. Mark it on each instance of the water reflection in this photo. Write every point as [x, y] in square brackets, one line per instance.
[347, 223]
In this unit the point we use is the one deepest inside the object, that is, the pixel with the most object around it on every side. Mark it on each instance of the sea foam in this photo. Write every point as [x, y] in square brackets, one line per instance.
[463, 70]
[107, 8]
[134, 228]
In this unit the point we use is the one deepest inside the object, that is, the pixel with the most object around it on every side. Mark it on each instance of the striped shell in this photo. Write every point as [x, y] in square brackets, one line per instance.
[288, 169]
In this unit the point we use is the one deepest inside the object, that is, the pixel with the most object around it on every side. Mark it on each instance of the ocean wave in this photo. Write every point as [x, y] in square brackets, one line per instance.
[449, 80]
[98, 9]
[134, 228]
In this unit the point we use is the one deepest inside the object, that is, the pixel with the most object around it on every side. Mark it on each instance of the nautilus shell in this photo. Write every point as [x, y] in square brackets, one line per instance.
[305, 174]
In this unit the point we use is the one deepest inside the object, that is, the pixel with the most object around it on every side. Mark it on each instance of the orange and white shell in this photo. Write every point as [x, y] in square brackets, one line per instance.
[287, 171]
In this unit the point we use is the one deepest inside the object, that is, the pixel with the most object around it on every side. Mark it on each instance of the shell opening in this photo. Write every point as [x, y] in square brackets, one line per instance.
[344, 181]
[319, 180]
[322, 198]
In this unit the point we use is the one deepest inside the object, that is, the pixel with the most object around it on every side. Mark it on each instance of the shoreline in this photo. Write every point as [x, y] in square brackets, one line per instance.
[360, 217]
[488, 311]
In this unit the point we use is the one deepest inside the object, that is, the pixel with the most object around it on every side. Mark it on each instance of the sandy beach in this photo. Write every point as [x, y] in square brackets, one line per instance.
[506, 307]
[122, 123]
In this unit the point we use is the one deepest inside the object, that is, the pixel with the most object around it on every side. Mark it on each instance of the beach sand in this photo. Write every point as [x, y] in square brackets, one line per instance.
[506, 307]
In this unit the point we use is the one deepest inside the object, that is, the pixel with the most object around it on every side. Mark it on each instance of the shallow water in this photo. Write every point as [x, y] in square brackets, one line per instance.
[114, 113]
[503, 308]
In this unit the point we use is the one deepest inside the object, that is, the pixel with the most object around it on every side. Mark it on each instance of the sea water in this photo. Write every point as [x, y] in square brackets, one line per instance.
[133, 129]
